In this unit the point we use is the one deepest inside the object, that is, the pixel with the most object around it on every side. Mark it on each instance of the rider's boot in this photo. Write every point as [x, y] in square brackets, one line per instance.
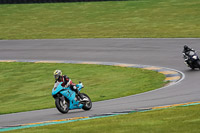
[82, 99]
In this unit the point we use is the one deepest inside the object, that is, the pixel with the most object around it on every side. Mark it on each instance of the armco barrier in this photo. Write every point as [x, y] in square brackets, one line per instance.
[45, 1]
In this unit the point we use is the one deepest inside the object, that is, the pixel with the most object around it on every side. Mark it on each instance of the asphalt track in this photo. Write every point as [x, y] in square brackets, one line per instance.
[155, 52]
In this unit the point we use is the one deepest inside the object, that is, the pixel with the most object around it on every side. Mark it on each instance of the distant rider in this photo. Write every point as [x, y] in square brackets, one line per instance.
[186, 52]
[66, 83]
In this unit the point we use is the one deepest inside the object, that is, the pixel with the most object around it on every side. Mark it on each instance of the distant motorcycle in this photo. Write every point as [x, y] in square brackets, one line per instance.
[66, 99]
[192, 60]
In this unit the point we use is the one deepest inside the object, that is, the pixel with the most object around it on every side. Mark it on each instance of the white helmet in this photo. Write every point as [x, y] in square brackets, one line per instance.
[57, 74]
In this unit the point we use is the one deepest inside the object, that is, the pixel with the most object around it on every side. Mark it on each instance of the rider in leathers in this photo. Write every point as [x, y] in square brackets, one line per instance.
[66, 83]
[186, 52]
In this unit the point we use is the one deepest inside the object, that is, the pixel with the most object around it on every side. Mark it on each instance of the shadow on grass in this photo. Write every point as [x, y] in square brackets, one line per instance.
[48, 1]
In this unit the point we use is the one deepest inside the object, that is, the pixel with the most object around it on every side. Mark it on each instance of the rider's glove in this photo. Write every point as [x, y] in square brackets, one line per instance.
[74, 87]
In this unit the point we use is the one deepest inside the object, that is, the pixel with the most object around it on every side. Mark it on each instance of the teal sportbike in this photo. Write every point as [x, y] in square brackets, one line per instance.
[66, 99]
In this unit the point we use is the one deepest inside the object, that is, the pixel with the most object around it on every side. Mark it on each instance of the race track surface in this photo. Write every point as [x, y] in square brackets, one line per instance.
[155, 52]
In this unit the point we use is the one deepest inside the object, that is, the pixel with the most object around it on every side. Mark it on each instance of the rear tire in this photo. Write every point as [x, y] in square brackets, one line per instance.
[62, 106]
[87, 105]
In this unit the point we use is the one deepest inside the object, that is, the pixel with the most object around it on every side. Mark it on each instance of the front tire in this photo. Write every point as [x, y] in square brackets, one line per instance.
[62, 105]
[191, 66]
[87, 105]
[198, 64]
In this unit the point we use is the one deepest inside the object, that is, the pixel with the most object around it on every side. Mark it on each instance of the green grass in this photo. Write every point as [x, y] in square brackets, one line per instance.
[27, 86]
[109, 19]
[173, 120]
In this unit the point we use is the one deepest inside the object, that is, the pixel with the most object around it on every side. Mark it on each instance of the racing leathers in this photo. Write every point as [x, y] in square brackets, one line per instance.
[67, 82]
[186, 52]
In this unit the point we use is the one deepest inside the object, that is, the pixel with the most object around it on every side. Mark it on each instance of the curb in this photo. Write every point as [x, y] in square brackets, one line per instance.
[52, 122]
[171, 75]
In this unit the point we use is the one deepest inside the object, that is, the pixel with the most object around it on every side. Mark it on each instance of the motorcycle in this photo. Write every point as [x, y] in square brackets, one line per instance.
[66, 99]
[192, 60]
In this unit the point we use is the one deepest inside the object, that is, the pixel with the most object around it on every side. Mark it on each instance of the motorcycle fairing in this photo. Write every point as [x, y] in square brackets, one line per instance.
[69, 94]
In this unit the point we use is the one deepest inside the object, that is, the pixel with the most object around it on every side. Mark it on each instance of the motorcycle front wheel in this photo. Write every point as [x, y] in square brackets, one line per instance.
[87, 105]
[62, 105]
[198, 64]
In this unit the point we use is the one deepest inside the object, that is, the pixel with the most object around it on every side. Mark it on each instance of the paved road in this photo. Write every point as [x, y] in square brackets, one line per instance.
[156, 52]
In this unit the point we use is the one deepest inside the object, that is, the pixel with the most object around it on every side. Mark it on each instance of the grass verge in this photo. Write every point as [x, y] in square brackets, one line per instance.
[177, 119]
[27, 86]
[108, 19]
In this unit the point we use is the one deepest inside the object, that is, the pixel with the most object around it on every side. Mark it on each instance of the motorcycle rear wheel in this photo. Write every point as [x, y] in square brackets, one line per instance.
[62, 105]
